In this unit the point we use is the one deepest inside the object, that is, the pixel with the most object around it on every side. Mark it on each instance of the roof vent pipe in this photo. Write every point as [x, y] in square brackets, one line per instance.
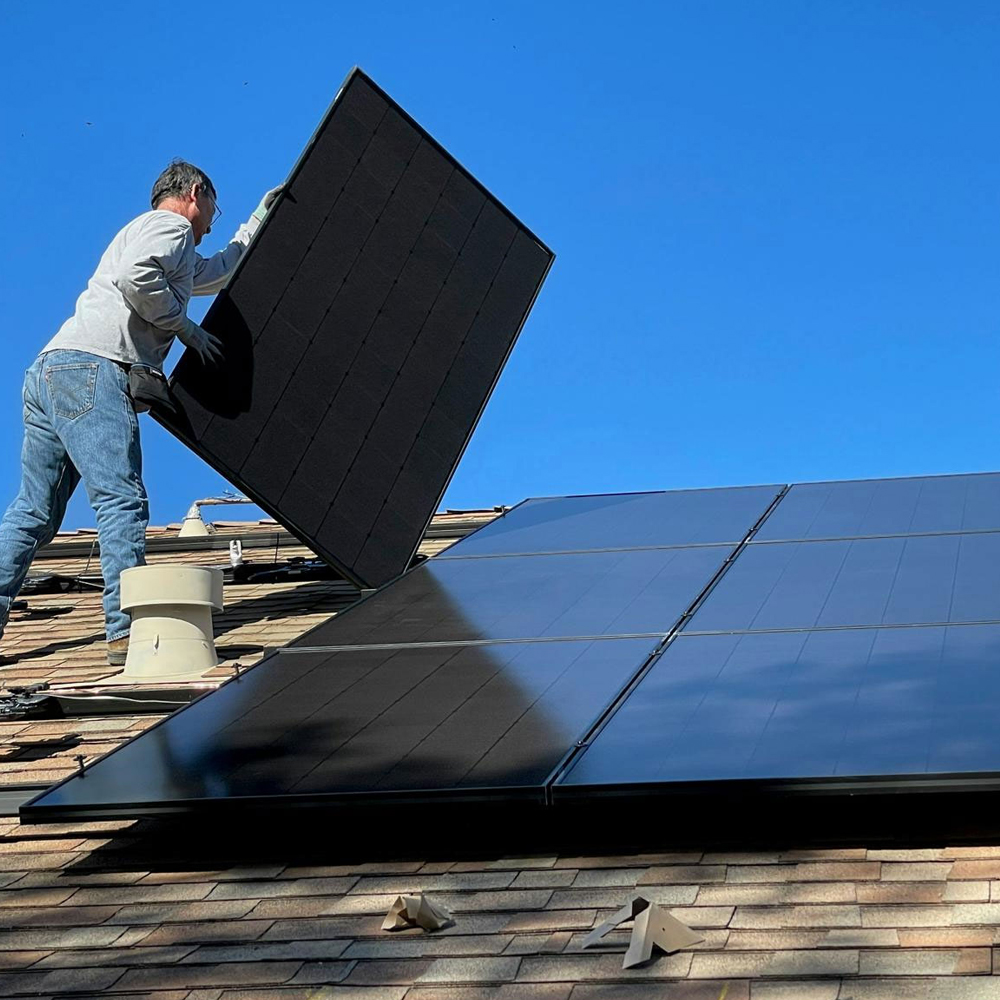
[194, 526]
[171, 607]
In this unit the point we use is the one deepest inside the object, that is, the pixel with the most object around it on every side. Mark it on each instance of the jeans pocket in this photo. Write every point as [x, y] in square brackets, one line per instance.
[72, 388]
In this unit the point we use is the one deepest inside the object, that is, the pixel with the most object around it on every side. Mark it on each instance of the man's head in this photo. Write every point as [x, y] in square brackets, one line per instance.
[186, 190]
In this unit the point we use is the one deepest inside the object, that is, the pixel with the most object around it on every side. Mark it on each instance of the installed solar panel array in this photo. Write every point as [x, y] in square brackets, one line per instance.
[364, 332]
[630, 645]
[474, 674]
[857, 635]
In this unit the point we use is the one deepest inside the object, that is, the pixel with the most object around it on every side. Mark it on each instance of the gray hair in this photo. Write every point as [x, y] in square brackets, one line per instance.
[176, 181]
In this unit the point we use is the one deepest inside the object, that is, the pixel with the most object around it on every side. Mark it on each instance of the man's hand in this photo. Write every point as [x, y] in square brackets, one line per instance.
[207, 346]
[267, 201]
[260, 212]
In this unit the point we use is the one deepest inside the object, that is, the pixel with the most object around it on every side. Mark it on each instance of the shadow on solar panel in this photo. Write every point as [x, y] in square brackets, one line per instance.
[468, 678]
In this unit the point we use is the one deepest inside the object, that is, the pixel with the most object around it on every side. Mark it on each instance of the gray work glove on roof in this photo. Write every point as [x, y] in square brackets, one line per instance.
[260, 212]
[206, 345]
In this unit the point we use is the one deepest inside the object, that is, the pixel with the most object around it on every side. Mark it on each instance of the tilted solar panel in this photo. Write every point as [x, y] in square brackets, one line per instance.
[364, 331]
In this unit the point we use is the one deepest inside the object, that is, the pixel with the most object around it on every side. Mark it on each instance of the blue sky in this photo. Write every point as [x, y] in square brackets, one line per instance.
[776, 223]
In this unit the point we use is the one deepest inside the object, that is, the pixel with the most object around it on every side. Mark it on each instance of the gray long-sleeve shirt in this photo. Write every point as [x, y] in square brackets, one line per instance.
[136, 302]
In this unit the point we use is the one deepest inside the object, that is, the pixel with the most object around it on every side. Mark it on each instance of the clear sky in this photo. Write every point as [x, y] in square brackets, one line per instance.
[776, 221]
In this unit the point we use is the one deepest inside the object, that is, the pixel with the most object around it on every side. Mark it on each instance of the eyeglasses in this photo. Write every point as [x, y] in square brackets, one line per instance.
[216, 211]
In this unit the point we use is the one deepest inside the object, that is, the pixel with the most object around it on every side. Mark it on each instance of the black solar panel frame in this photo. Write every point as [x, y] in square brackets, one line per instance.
[409, 538]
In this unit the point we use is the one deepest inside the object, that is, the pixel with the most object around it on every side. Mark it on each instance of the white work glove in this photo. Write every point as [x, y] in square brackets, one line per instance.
[260, 212]
[207, 346]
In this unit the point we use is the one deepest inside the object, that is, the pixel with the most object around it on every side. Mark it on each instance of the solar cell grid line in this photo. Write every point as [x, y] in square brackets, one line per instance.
[363, 332]
[921, 579]
[860, 508]
[360, 727]
[834, 705]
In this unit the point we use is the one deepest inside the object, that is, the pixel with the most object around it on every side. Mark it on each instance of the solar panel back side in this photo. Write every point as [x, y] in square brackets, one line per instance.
[363, 332]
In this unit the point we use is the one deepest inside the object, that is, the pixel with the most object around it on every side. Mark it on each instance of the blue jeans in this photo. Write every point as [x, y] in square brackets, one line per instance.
[78, 424]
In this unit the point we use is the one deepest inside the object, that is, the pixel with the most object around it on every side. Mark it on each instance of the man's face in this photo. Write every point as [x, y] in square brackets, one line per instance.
[201, 220]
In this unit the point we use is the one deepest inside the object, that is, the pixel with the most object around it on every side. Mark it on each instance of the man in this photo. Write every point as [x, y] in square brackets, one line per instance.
[80, 423]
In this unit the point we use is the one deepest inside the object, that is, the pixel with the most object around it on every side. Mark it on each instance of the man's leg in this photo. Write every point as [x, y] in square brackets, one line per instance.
[48, 478]
[91, 409]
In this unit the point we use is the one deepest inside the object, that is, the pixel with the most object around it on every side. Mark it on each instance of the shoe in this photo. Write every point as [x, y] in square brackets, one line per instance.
[117, 651]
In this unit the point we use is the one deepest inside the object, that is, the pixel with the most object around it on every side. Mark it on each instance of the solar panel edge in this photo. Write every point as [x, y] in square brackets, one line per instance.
[850, 786]
[268, 507]
[482, 409]
[234, 807]
[27, 810]
[457, 163]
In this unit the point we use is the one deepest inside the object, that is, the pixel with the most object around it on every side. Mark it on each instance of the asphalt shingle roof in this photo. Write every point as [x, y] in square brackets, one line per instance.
[137, 908]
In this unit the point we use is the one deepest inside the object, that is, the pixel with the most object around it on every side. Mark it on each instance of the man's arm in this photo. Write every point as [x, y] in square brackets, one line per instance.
[161, 251]
[158, 252]
[210, 273]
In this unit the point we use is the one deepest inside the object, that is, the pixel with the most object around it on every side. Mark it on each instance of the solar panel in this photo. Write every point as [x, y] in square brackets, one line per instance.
[642, 591]
[362, 725]
[795, 705]
[886, 507]
[623, 520]
[364, 331]
[923, 579]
